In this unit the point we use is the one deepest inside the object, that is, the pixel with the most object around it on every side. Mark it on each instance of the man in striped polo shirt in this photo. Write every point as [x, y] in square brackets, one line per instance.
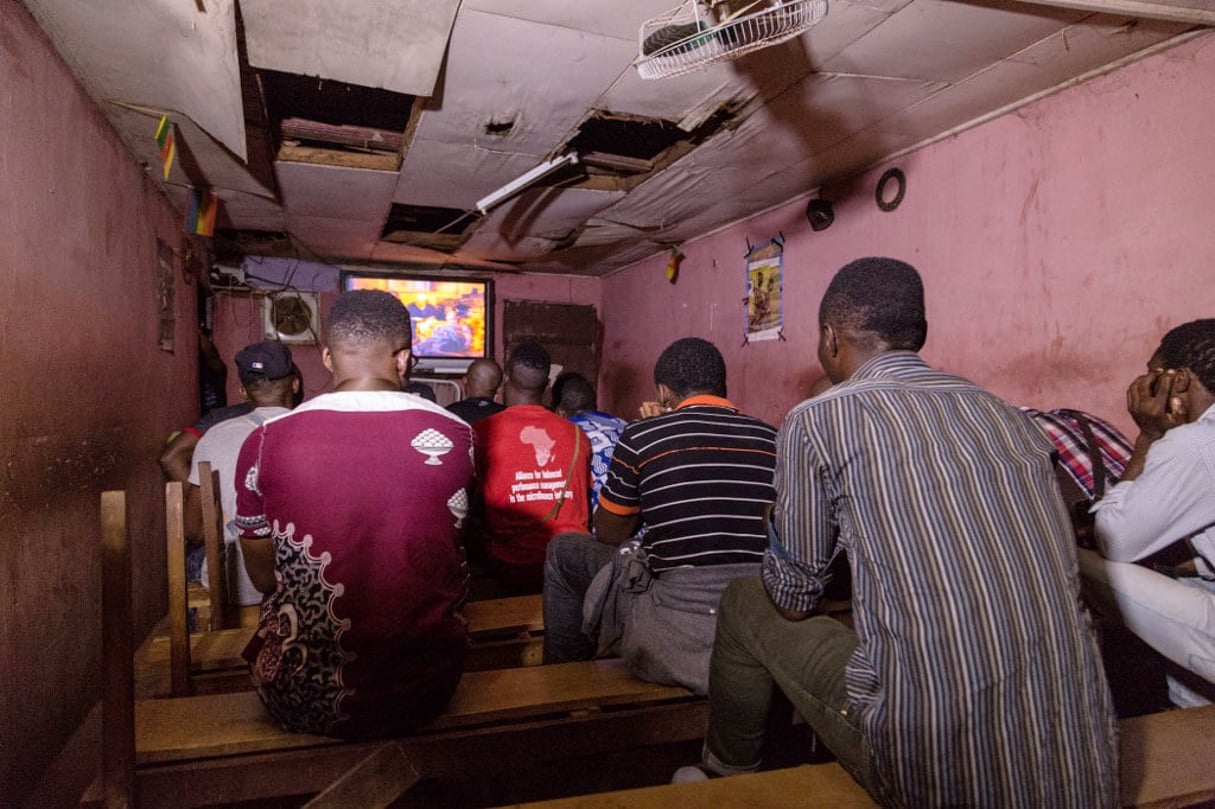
[698, 474]
[972, 677]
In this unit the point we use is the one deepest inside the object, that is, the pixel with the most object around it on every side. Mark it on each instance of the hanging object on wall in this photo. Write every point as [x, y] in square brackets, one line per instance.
[821, 214]
[673, 262]
[762, 305]
[886, 200]
[166, 139]
[201, 207]
[168, 318]
[291, 317]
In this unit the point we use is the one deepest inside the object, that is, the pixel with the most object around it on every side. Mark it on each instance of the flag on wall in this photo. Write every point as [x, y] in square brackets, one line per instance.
[166, 139]
[201, 207]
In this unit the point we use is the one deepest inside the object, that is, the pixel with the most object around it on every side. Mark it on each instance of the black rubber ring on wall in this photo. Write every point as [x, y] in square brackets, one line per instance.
[898, 176]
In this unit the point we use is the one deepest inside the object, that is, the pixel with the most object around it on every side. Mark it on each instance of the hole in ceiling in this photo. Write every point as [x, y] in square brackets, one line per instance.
[427, 226]
[626, 145]
[319, 113]
[499, 129]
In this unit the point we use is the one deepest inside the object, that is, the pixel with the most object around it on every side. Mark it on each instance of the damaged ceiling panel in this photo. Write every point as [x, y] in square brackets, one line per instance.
[398, 46]
[453, 175]
[162, 54]
[373, 129]
[551, 214]
[335, 191]
[506, 73]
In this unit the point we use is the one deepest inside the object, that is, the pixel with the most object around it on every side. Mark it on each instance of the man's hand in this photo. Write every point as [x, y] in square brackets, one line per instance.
[1152, 405]
[649, 409]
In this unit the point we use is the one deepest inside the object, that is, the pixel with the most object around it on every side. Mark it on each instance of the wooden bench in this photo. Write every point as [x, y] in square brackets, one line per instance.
[504, 632]
[224, 748]
[1165, 761]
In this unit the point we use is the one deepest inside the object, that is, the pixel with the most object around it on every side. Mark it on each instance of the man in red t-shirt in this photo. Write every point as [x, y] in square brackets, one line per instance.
[349, 509]
[534, 471]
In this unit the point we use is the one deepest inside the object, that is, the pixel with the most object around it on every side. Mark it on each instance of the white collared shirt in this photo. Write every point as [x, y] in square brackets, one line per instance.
[1172, 499]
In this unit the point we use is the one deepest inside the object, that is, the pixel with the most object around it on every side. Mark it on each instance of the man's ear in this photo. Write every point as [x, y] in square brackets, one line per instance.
[831, 340]
[1181, 380]
[402, 358]
[244, 394]
[327, 359]
[666, 396]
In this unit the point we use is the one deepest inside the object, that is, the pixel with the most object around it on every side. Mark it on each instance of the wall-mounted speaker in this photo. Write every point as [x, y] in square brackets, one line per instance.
[821, 214]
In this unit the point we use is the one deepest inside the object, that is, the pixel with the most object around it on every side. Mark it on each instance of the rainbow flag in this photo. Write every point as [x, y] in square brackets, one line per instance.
[166, 139]
[201, 207]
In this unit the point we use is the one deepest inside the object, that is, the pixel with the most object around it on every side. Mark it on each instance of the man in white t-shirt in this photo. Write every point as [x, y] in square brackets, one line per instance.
[267, 375]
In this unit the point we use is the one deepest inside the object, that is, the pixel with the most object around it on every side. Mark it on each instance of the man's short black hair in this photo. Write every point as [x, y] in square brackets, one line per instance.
[691, 365]
[1192, 345]
[881, 296]
[528, 366]
[367, 316]
[573, 393]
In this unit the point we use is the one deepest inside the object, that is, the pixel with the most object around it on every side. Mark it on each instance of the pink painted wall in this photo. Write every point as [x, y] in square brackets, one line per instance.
[87, 395]
[238, 320]
[1057, 244]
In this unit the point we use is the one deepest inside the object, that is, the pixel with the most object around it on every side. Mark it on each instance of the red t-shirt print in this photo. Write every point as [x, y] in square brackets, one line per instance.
[528, 461]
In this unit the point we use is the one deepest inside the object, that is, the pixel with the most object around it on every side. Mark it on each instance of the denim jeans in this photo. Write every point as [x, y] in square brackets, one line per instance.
[756, 648]
[570, 564]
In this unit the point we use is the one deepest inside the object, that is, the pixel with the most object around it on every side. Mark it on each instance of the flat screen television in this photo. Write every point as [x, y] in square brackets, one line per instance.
[452, 317]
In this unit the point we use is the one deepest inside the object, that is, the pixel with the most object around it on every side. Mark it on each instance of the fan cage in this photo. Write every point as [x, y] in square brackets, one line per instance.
[778, 23]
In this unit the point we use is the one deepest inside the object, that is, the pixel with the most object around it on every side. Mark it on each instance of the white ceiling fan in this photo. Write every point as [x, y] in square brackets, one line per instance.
[701, 32]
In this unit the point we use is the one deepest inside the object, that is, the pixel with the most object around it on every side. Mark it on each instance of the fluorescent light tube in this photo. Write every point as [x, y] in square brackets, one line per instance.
[524, 180]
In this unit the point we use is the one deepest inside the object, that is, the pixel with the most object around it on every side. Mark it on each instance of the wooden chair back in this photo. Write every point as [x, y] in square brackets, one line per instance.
[118, 697]
[213, 538]
[175, 553]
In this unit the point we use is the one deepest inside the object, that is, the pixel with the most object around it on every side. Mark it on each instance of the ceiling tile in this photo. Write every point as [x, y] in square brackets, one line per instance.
[395, 45]
[334, 191]
[453, 175]
[329, 238]
[547, 214]
[936, 40]
[1043, 65]
[621, 19]
[167, 56]
[544, 78]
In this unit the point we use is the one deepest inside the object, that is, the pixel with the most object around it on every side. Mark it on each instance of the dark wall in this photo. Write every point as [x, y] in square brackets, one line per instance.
[87, 395]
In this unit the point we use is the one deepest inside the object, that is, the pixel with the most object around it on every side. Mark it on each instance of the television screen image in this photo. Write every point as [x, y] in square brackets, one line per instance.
[450, 317]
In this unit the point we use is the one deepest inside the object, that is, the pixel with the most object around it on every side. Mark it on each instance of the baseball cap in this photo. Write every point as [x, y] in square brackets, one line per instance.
[264, 360]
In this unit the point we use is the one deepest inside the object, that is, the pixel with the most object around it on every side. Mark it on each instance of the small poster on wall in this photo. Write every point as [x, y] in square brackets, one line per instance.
[763, 306]
[164, 261]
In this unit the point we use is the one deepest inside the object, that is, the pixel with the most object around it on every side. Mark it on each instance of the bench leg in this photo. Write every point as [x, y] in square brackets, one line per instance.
[376, 781]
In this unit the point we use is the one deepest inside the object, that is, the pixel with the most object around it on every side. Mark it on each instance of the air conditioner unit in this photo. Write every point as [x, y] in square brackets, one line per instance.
[291, 317]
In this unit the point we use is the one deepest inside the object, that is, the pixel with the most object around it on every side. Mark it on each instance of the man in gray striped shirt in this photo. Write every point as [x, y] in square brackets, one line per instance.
[972, 677]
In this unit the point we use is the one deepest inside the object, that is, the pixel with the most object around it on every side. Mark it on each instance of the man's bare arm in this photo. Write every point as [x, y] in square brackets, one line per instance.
[259, 563]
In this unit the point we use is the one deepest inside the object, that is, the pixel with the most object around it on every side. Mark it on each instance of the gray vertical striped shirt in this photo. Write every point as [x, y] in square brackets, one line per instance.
[976, 678]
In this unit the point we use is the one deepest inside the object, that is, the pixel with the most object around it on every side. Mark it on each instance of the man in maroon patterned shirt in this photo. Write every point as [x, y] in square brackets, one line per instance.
[349, 509]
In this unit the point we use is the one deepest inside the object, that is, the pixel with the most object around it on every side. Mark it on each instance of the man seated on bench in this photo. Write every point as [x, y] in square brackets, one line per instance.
[699, 475]
[574, 399]
[349, 508]
[267, 376]
[972, 678]
[1165, 501]
[534, 472]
